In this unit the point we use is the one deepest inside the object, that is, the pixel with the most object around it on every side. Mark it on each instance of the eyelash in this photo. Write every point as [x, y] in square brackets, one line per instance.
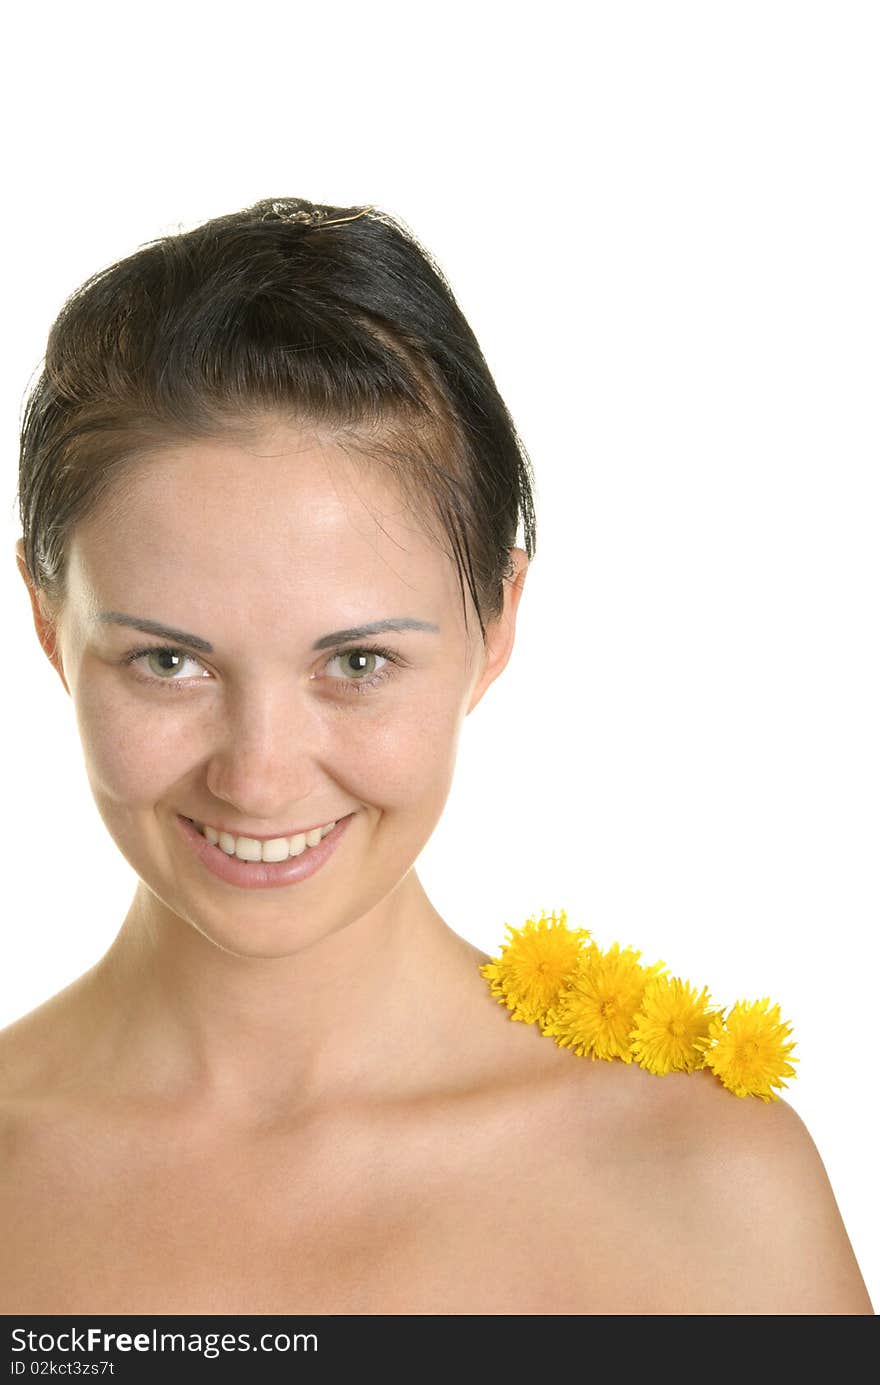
[356, 688]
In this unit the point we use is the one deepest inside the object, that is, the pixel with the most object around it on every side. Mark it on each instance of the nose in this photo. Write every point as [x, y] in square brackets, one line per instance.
[265, 763]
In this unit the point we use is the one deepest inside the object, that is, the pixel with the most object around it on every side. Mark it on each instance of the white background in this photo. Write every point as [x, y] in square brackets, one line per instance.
[662, 222]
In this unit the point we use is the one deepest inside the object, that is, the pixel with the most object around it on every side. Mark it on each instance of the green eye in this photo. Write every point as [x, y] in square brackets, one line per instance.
[358, 661]
[173, 657]
[162, 664]
[359, 669]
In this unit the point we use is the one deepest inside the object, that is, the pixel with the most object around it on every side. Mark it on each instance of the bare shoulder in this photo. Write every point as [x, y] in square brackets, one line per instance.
[736, 1195]
[25, 1045]
[26, 1061]
[759, 1183]
[38, 1051]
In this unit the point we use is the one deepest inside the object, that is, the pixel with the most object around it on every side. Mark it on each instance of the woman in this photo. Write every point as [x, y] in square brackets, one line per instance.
[270, 502]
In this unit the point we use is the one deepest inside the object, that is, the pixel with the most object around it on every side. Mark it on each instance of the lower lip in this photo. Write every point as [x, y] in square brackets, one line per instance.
[262, 875]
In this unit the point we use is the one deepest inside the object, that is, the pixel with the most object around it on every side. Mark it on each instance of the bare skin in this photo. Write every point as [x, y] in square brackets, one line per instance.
[519, 1178]
[305, 1100]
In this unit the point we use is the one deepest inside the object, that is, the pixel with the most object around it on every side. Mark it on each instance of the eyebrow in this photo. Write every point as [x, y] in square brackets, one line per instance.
[355, 632]
[376, 627]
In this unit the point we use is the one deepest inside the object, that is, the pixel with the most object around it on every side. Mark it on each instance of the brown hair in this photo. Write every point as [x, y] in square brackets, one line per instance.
[334, 317]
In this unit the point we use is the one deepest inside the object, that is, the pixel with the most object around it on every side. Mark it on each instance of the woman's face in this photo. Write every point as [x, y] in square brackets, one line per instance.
[274, 723]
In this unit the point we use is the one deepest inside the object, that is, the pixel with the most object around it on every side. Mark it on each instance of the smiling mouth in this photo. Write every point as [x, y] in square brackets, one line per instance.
[273, 850]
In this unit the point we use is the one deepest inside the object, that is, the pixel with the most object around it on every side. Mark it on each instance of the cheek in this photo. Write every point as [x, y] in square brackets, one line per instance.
[407, 759]
[132, 749]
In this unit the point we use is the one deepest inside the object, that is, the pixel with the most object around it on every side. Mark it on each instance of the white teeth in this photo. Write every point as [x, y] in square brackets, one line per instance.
[273, 851]
[248, 849]
[278, 849]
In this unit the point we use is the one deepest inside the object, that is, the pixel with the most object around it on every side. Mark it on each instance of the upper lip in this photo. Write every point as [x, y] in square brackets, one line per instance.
[265, 836]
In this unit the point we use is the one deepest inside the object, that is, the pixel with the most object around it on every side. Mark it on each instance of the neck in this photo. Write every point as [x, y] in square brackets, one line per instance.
[370, 1010]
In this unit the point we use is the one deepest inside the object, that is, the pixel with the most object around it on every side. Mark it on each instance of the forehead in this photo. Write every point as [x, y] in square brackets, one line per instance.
[276, 520]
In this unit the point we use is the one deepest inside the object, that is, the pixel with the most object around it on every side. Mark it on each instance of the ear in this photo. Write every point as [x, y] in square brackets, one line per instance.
[44, 624]
[500, 632]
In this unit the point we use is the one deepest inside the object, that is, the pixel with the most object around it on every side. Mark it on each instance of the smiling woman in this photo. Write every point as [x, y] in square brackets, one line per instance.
[270, 503]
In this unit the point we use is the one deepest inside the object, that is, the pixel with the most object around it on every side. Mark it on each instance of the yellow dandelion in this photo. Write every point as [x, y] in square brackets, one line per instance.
[596, 1009]
[533, 964]
[749, 1050]
[671, 1021]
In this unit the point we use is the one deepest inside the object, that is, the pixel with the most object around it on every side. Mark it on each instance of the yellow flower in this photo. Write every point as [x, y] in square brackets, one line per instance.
[609, 1005]
[672, 1018]
[595, 1011]
[748, 1050]
[533, 965]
